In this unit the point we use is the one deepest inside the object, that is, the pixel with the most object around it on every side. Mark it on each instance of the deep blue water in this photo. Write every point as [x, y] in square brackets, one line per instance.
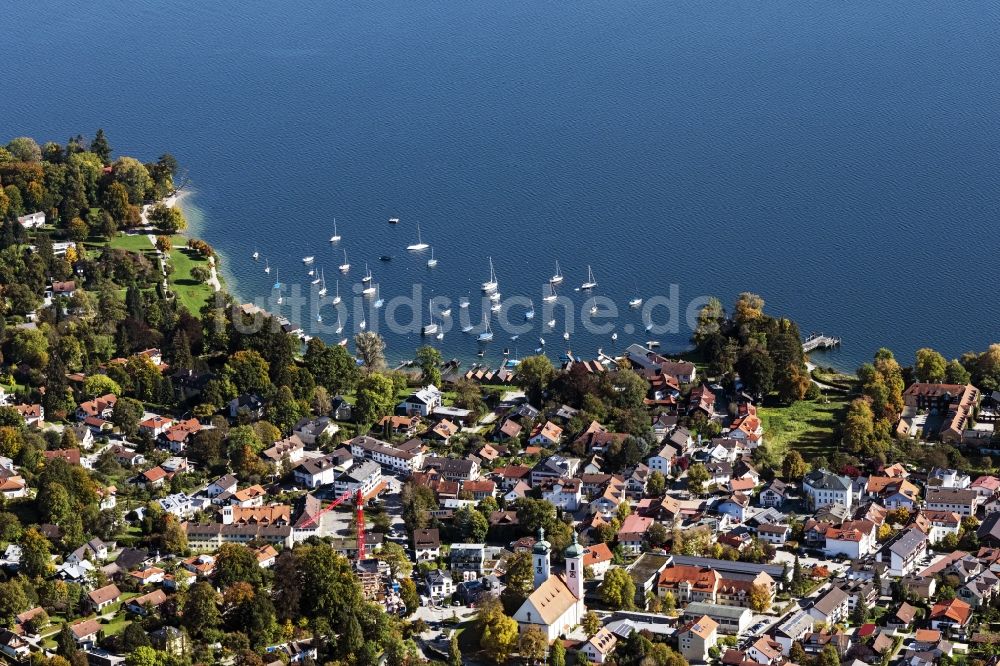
[840, 158]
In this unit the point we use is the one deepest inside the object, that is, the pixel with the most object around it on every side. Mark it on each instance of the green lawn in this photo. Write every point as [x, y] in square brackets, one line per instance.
[132, 243]
[190, 293]
[807, 426]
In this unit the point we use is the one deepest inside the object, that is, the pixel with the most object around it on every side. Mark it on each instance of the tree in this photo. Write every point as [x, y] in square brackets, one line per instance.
[127, 414]
[98, 385]
[371, 348]
[248, 372]
[756, 371]
[236, 563]
[13, 600]
[656, 484]
[697, 475]
[25, 149]
[54, 503]
[534, 374]
[710, 319]
[376, 397]
[591, 623]
[749, 309]
[143, 656]
[760, 598]
[797, 654]
[955, 373]
[558, 654]
[168, 219]
[284, 411]
[428, 359]
[201, 613]
[533, 643]
[829, 656]
[499, 638]
[618, 589]
[930, 366]
[134, 177]
[859, 427]
[409, 595]
[331, 366]
[657, 535]
[395, 556]
[454, 653]
[794, 466]
[100, 147]
[35, 553]
[174, 537]
[860, 613]
[471, 525]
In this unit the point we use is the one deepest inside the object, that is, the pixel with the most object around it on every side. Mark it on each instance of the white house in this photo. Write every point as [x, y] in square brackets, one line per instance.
[387, 455]
[823, 488]
[697, 637]
[563, 493]
[855, 539]
[832, 607]
[422, 402]
[32, 220]
[599, 646]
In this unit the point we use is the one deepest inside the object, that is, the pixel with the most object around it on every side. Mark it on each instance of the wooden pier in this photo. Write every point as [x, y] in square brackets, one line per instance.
[819, 341]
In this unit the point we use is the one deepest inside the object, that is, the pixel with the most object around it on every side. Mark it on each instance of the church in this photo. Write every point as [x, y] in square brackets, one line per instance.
[556, 605]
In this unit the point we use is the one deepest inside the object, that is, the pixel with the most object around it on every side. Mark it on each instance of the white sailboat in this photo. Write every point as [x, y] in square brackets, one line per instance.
[551, 323]
[322, 281]
[530, 314]
[419, 245]
[635, 302]
[335, 238]
[558, 277]
[446, 312]
[566, 335]
[267, 267]
[312, 273]
[340, 325]
[379, 301]
[432, 262]
[593, 310]
[495, 297]
[277, 282]
[431, 328]
[591, 282]
[491, 284]
[362, 324]
[467, 328]
[496, 307]
[344, 267]
[463, 303]
[551, 295]
[370, 289]
[368, 274]
[336, 298]
[487, 334]
[255, 255]
[614, 336]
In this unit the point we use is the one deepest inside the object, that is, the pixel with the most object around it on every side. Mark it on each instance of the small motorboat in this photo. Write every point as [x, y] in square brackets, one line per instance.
[255, 255]
[652, 343]
[467, 329]
[530, 314]
[440, 335]
[362, 324]
[541, 341]
[495, 296]
[308, 260]
[496, 307]
[614, 336]
[446, 312]
[386, 257]
[267, 267]
[551, 323]
[393, 220]
[593, 310]
[463, 303]
[566, 335]
[635, 302]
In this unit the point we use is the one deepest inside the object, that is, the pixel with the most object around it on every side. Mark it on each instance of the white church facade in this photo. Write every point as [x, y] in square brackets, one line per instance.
[556, 605]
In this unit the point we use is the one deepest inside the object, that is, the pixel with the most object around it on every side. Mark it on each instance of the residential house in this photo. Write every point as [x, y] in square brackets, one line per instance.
[251, 405]
[439, 584]
[598, 557]
[32, 220]
[155, 425]
[365, 477]
[142, 604]
[793, 628]
[548, 435]
[422, 402]
[554, 467]
[14, 646]
[735, 506]
[696, 638]
[823, 488]
[952, 615]
[308, 430]
[765, 650]
[774, 534]
[316, 472]
[774, 494]
[854, 538]
[903, 552]
[831, 608]
[33, 415]
[103, 597]
[633, 532]
[963, 501]
[663, 460]
[948, 478]
[426, 544]
[86, 632]
[599, 646]
[940, 524]
[224, 484]
[387, 455]
[453, 469]
[562, 493]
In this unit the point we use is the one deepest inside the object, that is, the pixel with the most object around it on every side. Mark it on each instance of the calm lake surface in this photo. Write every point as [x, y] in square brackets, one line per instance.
[839, 158]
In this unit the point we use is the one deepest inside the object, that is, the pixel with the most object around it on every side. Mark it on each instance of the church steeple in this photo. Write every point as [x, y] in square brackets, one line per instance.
[540, 558]
[574, 566]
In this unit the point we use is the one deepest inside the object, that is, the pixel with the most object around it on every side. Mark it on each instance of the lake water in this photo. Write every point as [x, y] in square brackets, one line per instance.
[839, 158]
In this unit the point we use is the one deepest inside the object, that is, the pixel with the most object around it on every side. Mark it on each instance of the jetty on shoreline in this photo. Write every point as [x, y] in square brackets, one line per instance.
[819, 341]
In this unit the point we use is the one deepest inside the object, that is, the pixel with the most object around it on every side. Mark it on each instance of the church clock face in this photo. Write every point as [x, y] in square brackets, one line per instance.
[539, 569]
[572, 573]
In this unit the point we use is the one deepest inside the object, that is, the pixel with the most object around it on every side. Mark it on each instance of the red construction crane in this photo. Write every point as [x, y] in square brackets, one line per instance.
[360, 516]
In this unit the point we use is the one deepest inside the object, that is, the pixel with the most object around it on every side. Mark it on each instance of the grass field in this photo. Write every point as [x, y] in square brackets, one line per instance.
[132, 243]
[190, 293]
[807, 426]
